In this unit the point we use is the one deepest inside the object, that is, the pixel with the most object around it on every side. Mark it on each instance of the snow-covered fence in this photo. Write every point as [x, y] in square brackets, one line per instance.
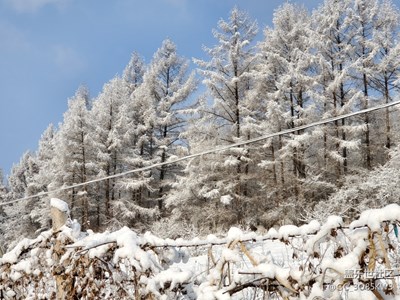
[329, 260]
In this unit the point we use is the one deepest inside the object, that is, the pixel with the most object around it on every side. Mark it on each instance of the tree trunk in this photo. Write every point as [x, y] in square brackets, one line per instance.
[342, 103]
[274, 165]
[387, 115]
[366, 121]
[282, 167]
[337, 145]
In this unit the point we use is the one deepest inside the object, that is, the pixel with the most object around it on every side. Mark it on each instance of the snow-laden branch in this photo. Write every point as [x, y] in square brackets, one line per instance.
[290, 262]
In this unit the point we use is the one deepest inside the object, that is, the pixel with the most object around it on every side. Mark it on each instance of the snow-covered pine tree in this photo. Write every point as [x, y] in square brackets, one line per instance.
[45, 156]
[218, 187]
[359, 60]
[3, 215]
[363, 18]
[332, 44]
[161, 99]
[107, 136]
[286, 78]
[385, 72]
[3, 193]
[132, 208]
[21, 183]
[74, 160]
[3, 188]
[352, 39]
[43, 178]
[22, 175]
[134, 71]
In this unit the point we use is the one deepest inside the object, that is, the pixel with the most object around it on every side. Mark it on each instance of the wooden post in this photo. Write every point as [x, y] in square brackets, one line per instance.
[59, 215]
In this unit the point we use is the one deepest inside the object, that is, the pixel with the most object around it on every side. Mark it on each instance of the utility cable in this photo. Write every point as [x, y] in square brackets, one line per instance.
[217, 149]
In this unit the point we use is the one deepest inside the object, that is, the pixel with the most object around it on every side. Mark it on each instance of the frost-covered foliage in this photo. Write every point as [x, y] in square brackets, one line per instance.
[230, 118]
[167, 85]
[328, 260]
[21, 219]
[3, 198]
[287, 84]
[367, 190]
[73, 155]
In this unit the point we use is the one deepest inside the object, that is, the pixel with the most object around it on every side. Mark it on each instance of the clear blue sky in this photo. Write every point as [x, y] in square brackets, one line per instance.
[49, 47]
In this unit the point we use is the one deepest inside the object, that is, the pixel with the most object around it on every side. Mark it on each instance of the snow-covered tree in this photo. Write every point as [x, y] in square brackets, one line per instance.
[43, 178]
[166, 88]
[351, 37]
[333, 46]
[286, 78]
[115, 141]
[45, 156]
[3, 188]
[132, 208]
[108, 138]
[363, 18]
[3, 215]
[74, 159]
[3, 193]
[21, 184]
[225, 115]
[134, 71]
[385, 69]
[21, 180]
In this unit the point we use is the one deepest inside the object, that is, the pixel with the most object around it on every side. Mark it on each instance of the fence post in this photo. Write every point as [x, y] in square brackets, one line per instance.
[59, 215]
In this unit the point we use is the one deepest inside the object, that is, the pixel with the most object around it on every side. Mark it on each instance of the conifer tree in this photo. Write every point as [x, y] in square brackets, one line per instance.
[339, 95]
[286, 79]
[230, 117]
[165, 89]
[21, 184]
[74, 158]
[385, 69]
[108, 138]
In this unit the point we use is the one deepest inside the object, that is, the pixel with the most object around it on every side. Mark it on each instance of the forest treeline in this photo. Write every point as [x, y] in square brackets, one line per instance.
[340, 58]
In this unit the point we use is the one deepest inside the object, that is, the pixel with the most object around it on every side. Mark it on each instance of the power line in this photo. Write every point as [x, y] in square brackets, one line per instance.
[217, 149]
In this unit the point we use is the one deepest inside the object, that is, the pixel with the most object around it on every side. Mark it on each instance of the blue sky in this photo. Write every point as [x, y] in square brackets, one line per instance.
[50, 47]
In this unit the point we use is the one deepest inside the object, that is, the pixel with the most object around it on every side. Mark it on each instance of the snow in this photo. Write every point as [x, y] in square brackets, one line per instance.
[288, 230]
[12, 256]
[161, 267]
[10, 294]
[348, 262]
[316, 292]
[374, 217]
[234, 233]
[59, 204]
[333, 222]
[272, 233]
[174, 276]
[23, 266]
[226, 199]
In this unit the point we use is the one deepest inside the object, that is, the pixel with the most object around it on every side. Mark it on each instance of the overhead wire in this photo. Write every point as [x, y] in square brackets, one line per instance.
[209, 151]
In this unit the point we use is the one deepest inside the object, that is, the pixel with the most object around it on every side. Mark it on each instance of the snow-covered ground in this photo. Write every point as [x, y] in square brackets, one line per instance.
[329, 261]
